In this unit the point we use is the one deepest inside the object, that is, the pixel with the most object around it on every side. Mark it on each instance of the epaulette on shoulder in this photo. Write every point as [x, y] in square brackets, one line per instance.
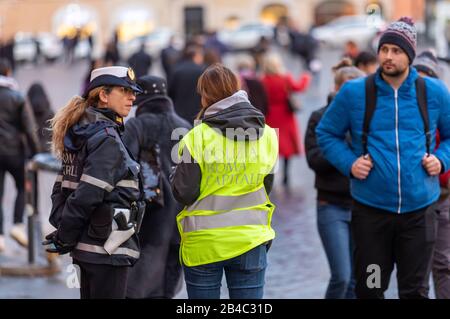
[110, 131]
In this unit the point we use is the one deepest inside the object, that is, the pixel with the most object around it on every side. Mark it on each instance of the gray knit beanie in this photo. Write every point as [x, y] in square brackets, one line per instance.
[427, 63]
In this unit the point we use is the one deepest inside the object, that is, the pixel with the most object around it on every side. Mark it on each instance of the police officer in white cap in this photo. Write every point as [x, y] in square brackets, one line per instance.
[97, 198]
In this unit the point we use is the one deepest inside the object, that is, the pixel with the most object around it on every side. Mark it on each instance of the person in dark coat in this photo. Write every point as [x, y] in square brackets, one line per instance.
[141, 62]
[40, 105]
[260, 51]
[183, 83]
[169, 57]
[16, 121]
[252, 85]
[213, 44]
[427, 65]
[157, 274]
[7, 52]
[112, 56]
[333, 199]
[305, 46]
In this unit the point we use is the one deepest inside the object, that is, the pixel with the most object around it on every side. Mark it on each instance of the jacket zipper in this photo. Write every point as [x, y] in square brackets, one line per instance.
[398, 153]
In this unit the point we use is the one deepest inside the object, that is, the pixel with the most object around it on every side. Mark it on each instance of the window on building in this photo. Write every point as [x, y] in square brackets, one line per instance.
[193, 21]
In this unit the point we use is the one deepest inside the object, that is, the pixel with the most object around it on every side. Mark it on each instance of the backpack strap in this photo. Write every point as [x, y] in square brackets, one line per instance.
[371, 103]
[422, 102]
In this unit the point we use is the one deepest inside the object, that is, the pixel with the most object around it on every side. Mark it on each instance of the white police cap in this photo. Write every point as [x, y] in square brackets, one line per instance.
[114, 76]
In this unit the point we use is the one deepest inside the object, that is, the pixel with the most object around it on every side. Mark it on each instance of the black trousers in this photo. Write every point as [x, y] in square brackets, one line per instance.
[383, 239]
[15, 165]
[102, 281]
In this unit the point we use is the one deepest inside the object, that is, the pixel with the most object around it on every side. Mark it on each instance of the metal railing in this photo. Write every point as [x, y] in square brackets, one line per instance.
[40, 162]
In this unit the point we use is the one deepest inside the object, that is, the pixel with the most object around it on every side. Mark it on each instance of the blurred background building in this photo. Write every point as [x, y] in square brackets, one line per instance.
[188, 16]
[94, 22]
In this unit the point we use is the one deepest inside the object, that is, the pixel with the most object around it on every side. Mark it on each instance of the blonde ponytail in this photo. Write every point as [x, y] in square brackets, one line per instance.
[69, 115]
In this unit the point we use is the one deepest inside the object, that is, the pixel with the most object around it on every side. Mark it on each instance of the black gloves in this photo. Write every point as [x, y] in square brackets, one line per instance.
[55, 245]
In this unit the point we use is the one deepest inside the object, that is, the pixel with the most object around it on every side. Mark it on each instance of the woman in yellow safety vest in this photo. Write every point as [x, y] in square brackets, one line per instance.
[224, 176]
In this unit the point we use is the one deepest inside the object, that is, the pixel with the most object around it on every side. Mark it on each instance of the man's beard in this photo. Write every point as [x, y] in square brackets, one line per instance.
[393, 72]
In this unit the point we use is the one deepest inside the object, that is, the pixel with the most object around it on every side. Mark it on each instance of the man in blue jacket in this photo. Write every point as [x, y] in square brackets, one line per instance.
[396, 183]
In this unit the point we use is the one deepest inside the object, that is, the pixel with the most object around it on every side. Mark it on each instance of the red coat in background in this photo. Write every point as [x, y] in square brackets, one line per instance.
[443, 178]
[279, 116]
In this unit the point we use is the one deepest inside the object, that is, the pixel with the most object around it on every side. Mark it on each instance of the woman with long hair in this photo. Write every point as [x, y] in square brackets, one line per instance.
[223, 179]
[97, 197]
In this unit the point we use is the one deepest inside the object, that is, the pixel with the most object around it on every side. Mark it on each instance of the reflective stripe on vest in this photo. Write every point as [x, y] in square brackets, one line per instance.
[96, 182]
[233, 218]
[220, 202]
[100, 250]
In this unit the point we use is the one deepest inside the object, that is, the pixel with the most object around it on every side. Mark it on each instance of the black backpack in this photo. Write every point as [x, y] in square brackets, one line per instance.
[371, 102]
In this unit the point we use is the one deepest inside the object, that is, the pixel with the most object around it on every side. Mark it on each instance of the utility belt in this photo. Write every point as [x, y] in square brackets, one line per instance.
[126, 223]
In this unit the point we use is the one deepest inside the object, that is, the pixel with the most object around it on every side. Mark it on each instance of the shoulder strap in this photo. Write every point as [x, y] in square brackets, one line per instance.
[371, 103]
[422, 102]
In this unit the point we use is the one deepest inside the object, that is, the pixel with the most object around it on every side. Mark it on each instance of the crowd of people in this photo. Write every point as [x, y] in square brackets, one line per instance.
[161, 207]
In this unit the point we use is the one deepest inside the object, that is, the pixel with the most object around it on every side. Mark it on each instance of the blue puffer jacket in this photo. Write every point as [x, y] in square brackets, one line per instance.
[397, 182]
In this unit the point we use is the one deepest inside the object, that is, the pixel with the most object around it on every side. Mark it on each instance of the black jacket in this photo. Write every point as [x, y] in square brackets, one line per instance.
[17, 124]
[158, 271]
[169, 58]
[42, 113]
[183, 89]
[187, 177]
[98, 175]
[141, 62]
[332, 186]
[256, 93]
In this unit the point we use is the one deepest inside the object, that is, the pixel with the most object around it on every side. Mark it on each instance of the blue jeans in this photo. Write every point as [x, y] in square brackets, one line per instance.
[244, 274]
[334, 229]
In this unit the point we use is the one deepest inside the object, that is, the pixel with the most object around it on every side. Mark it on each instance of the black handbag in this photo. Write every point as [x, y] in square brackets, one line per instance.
[293, 104]
[150, 162]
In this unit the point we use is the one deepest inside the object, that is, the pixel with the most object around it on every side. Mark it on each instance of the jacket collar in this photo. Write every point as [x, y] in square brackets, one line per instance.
[95, 114]
[155, 105]
[406, 86]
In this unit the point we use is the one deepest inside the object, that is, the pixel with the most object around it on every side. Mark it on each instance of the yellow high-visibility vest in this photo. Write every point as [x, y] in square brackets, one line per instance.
[233, 213]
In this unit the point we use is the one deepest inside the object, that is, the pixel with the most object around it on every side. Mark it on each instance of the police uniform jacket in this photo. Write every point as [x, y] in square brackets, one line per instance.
[98, 175]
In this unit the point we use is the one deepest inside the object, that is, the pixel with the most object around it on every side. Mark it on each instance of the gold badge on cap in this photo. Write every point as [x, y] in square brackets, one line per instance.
[131, 74]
